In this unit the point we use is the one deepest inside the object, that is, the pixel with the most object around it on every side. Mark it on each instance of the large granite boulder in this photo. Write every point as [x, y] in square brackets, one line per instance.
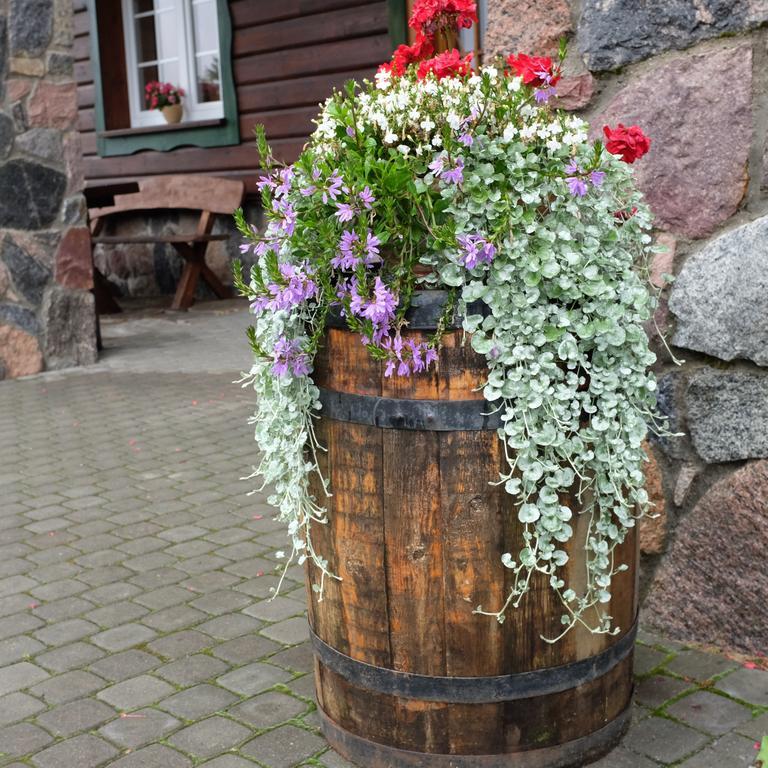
[614, 33]
[711, 587]
[728, 414]
[720, 297]
[697, 110]
[30, 194]
[29, 276]
[69, 321]
[526, 26]
[31, 26]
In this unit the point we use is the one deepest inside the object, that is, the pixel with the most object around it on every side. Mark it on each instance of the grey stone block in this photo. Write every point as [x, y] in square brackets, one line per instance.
[230, 626]
[121, 666]
[284, 747]
[192, 669]
[67, 687]
[243, 650]
[76, 716]
[210, 737]
[663, 741]
[732, 751]
[288, 632]
[750, 685]
[155, 756]
[198, 701]
[180, 644]
[21, 739]
[123, 637]
[700, 666]
[30, 194]
[268, 710]
[711, 713]
[135, 692]
[20, 676]
[18, 706]
[136, 729]
[31, 26]
[254, 678]
[64, 632]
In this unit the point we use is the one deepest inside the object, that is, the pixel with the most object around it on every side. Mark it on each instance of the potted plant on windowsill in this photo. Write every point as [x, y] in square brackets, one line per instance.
[453, 389]
[167, 98]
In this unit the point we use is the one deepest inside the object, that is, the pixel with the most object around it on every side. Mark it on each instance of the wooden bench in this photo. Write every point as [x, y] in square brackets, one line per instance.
[207, 195]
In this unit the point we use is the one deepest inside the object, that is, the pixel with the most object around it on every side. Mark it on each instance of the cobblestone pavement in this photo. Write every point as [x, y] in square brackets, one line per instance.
[135, 629]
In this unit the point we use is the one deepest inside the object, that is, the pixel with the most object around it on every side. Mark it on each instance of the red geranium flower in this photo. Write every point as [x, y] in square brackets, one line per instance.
[536, 71]
[409, 54]
[630, 143]
[448, 64]
[431, 15]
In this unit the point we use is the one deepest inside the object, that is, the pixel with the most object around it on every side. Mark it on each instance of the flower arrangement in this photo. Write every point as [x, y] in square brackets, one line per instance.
[159, 95]
[435, 175]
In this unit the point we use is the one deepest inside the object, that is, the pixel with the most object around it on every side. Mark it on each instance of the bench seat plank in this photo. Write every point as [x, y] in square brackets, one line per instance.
[117, 239]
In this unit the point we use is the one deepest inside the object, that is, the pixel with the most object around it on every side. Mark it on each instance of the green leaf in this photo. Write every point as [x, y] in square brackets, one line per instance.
[762, 755]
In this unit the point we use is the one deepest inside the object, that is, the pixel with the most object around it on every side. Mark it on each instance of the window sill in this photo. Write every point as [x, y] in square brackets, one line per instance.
[168, 127]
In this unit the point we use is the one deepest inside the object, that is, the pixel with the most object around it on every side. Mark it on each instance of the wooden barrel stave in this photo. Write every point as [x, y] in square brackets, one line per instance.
[416, 532]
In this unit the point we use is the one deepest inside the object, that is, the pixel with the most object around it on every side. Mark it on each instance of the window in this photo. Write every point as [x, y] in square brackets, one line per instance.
[472, 39]
[184, 42]
[173, 41]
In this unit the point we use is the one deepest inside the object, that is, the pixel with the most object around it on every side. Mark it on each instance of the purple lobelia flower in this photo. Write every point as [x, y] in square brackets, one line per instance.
[454, 175]
[334, 187]
[466, 139]
[577, 186]
[597, 178]
[367, 198]
[475, 249]
[289, 358]
[353, 251]
[345, 212]
[381, 308]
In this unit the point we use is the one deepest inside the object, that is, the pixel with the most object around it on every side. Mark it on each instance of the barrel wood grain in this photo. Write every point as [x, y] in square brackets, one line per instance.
[418, 538]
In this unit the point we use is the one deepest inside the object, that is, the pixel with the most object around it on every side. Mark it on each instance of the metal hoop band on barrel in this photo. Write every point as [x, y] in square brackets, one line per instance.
[568, 755]
[473, 690]
[393, 413]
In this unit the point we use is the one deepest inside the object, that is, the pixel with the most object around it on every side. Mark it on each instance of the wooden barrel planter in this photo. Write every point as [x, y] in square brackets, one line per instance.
[406, 674]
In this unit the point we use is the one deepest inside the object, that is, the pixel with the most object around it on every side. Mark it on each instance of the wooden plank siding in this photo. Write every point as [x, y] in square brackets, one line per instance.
[288, 55]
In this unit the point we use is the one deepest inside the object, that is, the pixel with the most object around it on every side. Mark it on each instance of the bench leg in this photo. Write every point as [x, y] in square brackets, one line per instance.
[185, 291]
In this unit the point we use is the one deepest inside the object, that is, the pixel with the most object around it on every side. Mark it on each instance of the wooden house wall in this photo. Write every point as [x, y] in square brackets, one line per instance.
[288, 55]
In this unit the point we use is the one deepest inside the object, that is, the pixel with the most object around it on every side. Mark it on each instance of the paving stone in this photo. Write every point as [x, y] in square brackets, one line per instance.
[749, 685]
[303, 686]
[21, 739]
[268, 709]
[217, 603]
[155, 756]
[76, 716]
[654, 691]
[647, 659]
[68, 608]
[171, 619]
[275, 610]
[210, 737]
[243, 650]
[16, 584]
[709, 712]
[756, 728]
[139, 728]
[65, 632]
[68, 686]
[230, 626]
[732, 751]
[16, 648]
[192, 669]
[18, 706]
[198, 701]
[123, 637]
[16, 677]
[289, 632]
[18, 624]
[228, 761]
[700, 666]
[619, 758]
[121, 666]
[164, 597]
[284, 747]
[180, 644]
[254, 678]
[664, 740]
[85, 751]
[135, 692]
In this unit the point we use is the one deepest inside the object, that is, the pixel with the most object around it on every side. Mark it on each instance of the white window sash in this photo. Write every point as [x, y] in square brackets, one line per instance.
[193, 109]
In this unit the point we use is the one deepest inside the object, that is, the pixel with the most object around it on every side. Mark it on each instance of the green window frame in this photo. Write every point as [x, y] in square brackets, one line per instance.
[163, 138]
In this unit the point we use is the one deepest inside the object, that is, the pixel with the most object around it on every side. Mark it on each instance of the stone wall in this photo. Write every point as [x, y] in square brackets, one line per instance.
[47, 316]
[694, 75]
